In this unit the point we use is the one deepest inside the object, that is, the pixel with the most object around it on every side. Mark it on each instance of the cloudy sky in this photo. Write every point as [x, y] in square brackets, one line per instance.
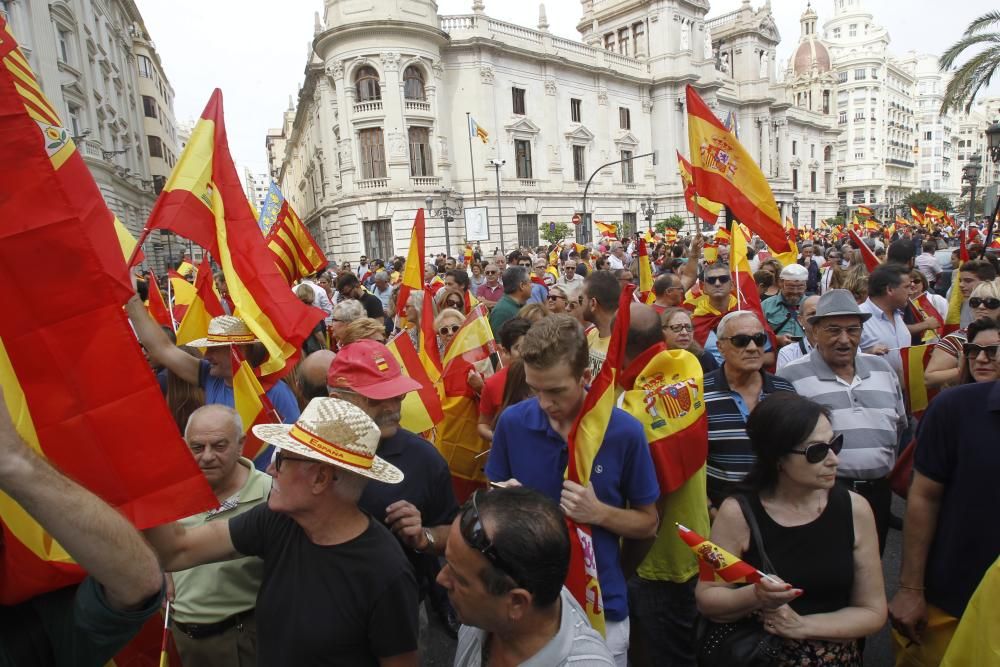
[255, 50]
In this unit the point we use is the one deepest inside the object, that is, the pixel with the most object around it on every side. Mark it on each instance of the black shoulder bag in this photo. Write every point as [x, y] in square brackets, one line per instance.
[742, 643]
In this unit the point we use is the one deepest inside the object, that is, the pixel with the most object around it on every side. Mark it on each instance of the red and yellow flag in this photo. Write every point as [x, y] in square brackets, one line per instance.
[867, 256]
[607, 229]
[91, 424]
[917, 216]
[585, 439]
[699, 206]
[252, 403]
[923, 308]
[935, 213]
[953, 320]
[185, 267]
[413, 272]
[202, 309]
[296, 253]
[156, 306]
[724, 172]
[645, 274]
[915, 390]
[865, 211]
[717, 564]
[421, 410]
[469, 256]
[182, 295]
[204, 201]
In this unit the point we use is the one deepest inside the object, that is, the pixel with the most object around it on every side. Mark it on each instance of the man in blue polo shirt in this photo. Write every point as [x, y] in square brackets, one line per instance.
[530, 449]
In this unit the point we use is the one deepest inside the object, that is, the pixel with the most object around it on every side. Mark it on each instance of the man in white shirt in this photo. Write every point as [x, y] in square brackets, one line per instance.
[321, 300]
[616, 260]
[803, 346]
[885, 331]
[927, 263]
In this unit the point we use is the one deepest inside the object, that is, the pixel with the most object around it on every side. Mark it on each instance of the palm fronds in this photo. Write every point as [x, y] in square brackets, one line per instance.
[979, 70]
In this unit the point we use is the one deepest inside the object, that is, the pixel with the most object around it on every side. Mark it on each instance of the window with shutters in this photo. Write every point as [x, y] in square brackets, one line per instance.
[575, 106]
[579, 166]
[624, 118]
[522, 158]
[628, 176]
[517, 95]
[420, 152]
[378, 238]
[372, 147]
[527, 230]
[367, 85]
[413, 84]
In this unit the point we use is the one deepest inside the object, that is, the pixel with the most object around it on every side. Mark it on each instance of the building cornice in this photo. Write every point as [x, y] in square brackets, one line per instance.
[324, 40]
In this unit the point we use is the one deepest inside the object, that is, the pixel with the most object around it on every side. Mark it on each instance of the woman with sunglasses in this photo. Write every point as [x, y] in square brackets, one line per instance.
[943, 368]
[979, 354]
[818, 536]
[557, 301]
[447, 324]
[678, 334]
[919, 287]
[452, 298]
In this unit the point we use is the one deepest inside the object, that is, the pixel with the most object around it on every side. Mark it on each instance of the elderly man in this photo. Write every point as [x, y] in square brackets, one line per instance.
[324, 558]
[668, 291]
[863, 394]
[491, 291]
[731, 394]
[782, 309]
[84, 625]
[508, 591]
[617, 259]
[569, 273]
[213, 610]
[804, 345]
[516, 292]
[312, 374]
[539, 291]
[382, 289]
[808, 262]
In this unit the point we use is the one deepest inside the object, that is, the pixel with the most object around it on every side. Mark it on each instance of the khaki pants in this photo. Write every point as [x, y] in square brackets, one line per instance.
[235, 647]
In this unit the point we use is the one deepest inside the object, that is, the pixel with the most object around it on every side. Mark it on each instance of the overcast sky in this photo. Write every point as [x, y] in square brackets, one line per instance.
[255, 50]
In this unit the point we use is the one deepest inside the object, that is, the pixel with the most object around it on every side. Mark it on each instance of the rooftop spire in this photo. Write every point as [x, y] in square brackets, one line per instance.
[543, 21]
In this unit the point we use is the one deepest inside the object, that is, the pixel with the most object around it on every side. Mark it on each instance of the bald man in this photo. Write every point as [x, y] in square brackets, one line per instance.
[312, 374]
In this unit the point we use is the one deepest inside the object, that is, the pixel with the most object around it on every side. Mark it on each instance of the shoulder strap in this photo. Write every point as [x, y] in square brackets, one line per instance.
[755, 535]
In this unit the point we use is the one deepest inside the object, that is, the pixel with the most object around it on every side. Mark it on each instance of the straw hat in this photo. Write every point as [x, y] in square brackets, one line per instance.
[226, 330]
[335, 432]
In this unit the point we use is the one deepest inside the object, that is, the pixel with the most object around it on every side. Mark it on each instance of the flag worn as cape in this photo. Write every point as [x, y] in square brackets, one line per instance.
[75, 382]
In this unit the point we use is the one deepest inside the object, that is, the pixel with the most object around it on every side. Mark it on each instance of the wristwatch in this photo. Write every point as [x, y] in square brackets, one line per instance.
[429, 536]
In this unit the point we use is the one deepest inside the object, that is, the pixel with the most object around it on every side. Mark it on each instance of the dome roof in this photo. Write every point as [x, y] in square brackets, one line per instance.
[811, 50]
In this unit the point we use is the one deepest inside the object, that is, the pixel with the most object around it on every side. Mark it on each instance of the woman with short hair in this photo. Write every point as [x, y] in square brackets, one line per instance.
[678, 334]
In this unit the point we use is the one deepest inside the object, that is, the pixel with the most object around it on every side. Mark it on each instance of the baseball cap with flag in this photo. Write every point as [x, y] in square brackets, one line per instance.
[368, 368]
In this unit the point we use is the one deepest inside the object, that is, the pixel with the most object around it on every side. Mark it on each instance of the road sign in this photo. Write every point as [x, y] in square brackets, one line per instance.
[576, 218]
[552, 227]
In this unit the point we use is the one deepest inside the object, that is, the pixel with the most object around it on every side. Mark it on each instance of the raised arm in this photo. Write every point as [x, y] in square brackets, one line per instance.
[158, 346]
[102, 541]
[690, 275]
[180, 548]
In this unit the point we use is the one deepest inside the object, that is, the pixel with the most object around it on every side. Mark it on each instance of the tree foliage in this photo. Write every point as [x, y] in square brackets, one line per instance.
[922, 198]
[674, 222]
[555, 234]
[979, 69]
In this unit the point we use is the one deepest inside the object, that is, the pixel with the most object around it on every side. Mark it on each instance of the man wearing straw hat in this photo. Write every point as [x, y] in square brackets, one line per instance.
[337, 587]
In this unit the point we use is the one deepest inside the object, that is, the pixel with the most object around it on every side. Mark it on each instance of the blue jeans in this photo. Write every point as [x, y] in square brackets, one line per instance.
[664, 613]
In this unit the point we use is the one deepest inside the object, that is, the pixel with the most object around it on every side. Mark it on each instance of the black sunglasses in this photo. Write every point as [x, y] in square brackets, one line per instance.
[972, 350]
[816, 452]
[445, 330]
[280, 457]
[989, 302]
[717, 280]
[471, 527]
[742, 340]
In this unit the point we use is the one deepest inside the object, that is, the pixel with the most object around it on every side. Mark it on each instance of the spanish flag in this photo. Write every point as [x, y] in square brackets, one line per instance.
[915, 391]
[585, 439]
[871, 225]
[607, 229]
[203, 307]
[917, 216]
[717, 564]
[865, 211]
[204, 201]
[723, 171]
[923, 308]
[92, 414]
[869, 258]
[645, 274]
[421, 410]
[953, 320]
[182, 295]
[698, 206]
[976, 641]
[156, 306]
[296, 253]
[127, 242]
[935, 213]
[185, 267]
[413, 272]
[469, 256]
[252, 403]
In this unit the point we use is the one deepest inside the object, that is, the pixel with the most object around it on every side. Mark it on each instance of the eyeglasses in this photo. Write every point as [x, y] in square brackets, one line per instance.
[677, 328]
[471, 528]
[988, 302]
[454, 304]
[491, 273]
[717, 280]
[972, 350]
[815, 452]
[836, 332]
[554, 297]
[453, 329]
[280, 457]
[742, 340]
[569, 267]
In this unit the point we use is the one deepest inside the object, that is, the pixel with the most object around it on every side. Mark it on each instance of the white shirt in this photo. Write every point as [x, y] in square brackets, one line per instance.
[566, 280]
[880, 330]
[320, 300]
[614, 263]
[793, 351]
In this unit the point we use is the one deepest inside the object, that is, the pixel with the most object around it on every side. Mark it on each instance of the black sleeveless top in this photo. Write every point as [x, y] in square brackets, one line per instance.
[817, 557]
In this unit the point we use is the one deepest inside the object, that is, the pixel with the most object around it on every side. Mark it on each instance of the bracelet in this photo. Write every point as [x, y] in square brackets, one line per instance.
[913, 588]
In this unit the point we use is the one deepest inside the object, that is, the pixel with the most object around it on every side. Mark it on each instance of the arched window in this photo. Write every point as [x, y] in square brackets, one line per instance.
[413, 84]
[828, 154]
[366, 81]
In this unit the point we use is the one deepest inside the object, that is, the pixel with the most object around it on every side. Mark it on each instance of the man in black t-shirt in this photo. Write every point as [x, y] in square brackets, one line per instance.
[337, 588]
[350, 288]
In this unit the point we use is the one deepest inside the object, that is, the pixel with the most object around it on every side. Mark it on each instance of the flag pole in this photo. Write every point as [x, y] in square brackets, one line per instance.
[170, 304]
[472, 159]
[164, 658]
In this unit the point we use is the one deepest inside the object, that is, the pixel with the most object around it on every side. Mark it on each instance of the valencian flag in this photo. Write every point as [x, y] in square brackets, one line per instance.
[664, 389]
[867, 256]
[457, 436]
[295, 252]
[953, 320]
[477, 130]
[585, 439]
[93, 425]
[413, 272]
[271, 208]
[645, 274]
[915, 390]
[202, 309]
[724, 172]
[252, 403]
[204, 201]
[421, 410]
[717, 564]
[698, 206]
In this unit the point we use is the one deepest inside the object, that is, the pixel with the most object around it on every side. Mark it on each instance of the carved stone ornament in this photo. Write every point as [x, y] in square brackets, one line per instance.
[390, 61]
[647, 104]
[345, 153]
[335, 71]
[550, 86]
[443, 148]
[397, 144]
[602, 96]
[438, 69]
[486, 74]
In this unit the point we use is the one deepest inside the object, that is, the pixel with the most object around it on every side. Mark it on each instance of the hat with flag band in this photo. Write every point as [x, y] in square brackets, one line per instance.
[335, 432]
[226, 330]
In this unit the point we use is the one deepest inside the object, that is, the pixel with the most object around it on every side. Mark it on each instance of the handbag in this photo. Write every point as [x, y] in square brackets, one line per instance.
[742, 643]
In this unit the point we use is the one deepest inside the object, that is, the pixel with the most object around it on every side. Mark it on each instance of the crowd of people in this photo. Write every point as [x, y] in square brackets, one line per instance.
[335, 543]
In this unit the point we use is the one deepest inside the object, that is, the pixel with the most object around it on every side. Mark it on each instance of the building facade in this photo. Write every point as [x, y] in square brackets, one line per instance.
[257, 186]
[382, 120]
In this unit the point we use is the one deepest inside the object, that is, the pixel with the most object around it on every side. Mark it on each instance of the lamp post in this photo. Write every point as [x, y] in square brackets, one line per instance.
[795, 211]
[648, 208]
[970, 173]
[993, 141]
[445, 212]
[496, 165]
[586, 218]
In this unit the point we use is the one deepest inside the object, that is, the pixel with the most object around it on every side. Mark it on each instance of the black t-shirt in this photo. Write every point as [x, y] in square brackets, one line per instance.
[348, 604]
[373, 306]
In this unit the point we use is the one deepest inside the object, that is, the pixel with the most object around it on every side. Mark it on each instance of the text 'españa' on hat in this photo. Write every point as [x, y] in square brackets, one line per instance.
[368, 368]
[837, 302]
[336, 432]
[226, 330]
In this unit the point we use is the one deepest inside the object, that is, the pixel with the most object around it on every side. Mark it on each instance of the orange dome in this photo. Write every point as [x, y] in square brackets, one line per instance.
[811, 50]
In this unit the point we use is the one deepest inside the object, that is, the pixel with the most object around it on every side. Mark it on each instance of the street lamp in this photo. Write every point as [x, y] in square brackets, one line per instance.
[648, 208]
[446, 212]
[496, 165]
[970, 173]
[993, 138]
[795, 211]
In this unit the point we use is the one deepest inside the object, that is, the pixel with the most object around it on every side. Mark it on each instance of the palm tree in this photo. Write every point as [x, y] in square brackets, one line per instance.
[978, 70]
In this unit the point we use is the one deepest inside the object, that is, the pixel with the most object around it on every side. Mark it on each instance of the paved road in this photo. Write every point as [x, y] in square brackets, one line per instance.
[878, 651]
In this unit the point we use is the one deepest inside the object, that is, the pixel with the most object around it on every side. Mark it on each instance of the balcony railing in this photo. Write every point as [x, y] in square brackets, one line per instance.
[417, 105]
[425, 181]
[373, 184]
[368, 107]
[527, 182]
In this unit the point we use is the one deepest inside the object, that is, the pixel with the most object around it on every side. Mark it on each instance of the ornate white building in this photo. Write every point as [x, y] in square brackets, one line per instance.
[382, 119]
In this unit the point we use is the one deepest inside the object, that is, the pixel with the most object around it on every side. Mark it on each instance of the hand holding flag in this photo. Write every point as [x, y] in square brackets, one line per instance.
[717, 564]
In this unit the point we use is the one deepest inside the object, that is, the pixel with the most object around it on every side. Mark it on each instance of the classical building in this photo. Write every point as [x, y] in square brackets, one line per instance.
[257, 186]
[157, 98]
[382, 120]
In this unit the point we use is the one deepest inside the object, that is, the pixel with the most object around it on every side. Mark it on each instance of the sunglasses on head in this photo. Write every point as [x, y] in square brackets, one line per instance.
[815, 452]
[471, 528]
[972, 350]
[717, 280]
[742, 340]
[445, 330]
[988, 302]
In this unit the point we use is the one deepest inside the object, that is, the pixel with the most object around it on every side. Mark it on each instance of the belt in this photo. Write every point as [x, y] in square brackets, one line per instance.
[862, 483]
[204, 630]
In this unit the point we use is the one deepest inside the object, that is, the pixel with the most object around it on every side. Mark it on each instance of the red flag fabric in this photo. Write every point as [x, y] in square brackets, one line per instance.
[157, 306]
[717, 564]
[413, 271]
[296, 253]
[421, 410]
[867, 256]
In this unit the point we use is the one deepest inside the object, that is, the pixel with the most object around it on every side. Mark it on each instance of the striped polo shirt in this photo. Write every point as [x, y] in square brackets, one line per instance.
[730, 455]
[868, 410]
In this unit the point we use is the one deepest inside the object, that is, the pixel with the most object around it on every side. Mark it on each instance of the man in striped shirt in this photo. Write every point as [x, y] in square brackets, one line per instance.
[864, 397]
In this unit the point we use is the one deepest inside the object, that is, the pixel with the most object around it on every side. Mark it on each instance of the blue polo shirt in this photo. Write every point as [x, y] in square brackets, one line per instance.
[957, 447]
[526, 447]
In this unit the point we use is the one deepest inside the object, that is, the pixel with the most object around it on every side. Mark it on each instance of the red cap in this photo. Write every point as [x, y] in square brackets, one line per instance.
[369, 368]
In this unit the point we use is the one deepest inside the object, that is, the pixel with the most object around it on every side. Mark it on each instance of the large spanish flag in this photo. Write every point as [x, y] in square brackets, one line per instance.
[723, 171]
[73, 377]
[703, 208]
[915, 390]
[413, 271]
[252, 404]
[296, 253]
[717, 564]
[421, 410]
[585, 439]
[202, 309]
[182, 295]
[204, 201]
[645, 274]
[953, 320]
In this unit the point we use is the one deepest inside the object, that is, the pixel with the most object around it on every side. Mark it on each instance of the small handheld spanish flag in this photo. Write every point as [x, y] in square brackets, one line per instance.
[717, 564]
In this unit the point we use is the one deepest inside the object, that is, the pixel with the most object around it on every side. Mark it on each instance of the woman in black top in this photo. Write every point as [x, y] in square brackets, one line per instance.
[819, 537]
